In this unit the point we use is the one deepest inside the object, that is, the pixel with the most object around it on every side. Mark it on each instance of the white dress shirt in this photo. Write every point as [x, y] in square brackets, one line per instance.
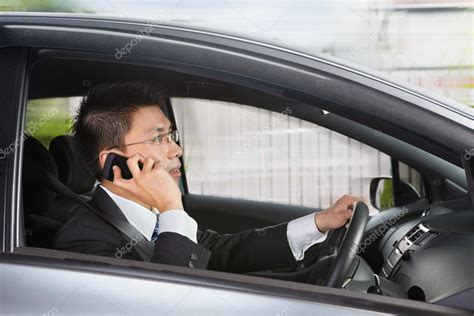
[302, 232]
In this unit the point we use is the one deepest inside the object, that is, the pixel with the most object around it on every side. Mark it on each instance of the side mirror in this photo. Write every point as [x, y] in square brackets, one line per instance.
[382, 193]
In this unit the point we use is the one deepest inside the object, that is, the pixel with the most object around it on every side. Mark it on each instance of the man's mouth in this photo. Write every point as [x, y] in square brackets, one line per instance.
[175, 172]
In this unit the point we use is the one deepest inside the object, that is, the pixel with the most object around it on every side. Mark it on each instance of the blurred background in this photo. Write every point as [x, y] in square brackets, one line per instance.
[427, 43]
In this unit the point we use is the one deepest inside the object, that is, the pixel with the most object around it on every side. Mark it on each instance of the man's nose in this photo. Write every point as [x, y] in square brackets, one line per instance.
[175, 151]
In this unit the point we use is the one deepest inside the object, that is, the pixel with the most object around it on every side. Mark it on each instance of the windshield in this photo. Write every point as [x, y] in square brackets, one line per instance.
[426, 43]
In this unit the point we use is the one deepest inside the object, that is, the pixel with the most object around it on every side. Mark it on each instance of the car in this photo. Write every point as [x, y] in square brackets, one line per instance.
[409, 250]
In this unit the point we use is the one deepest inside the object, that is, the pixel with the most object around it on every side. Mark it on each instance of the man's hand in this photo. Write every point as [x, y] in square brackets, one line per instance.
[152, 186]
[336, 215]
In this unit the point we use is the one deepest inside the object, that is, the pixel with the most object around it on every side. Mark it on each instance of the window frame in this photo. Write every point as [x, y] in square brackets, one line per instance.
[14, 63]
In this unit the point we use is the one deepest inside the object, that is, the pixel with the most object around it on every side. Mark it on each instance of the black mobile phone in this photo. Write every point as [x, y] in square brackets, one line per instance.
[120, 161]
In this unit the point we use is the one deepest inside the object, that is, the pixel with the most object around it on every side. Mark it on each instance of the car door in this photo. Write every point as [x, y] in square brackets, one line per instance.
[112, 285]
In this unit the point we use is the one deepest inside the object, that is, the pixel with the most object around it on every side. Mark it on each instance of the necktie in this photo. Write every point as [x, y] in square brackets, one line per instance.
[154, 236]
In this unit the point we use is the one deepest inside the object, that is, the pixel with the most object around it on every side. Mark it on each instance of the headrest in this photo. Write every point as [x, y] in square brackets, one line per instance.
[37, 197]
[73, 171]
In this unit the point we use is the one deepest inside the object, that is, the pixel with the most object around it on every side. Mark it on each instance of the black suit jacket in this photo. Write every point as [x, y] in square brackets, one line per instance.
[250, 250]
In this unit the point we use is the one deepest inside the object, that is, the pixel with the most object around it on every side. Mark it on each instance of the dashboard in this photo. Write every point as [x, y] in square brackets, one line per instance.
[428, 258]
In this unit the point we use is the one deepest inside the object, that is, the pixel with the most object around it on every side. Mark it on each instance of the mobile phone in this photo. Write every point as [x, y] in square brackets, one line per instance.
[120, 161]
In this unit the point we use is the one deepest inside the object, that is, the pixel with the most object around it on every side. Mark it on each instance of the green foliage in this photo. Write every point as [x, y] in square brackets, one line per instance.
[39, 6]
[386, 198]
[48, 118]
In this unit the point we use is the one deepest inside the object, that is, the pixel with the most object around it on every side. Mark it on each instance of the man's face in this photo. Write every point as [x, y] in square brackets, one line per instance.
[147, 123]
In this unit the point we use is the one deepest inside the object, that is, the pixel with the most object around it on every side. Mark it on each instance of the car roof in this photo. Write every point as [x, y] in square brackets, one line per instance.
[435, 99]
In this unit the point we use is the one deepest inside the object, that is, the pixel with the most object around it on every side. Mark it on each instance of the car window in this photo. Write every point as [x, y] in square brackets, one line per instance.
[411, 176]
[48, 118]
[239, 151]
[251, 153]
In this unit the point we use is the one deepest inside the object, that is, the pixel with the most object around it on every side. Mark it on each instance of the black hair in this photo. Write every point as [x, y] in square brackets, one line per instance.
[105, 116]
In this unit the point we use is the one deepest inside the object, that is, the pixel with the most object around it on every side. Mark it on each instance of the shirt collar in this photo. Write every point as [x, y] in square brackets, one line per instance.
[142, 218]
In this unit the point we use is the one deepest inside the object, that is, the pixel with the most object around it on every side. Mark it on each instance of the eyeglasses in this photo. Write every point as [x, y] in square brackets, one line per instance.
[172, 136]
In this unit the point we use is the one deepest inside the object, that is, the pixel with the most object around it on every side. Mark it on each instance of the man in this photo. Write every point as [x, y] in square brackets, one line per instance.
[126, 118]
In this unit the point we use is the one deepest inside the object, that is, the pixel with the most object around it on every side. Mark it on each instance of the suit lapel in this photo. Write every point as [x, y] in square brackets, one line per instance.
[108, 207]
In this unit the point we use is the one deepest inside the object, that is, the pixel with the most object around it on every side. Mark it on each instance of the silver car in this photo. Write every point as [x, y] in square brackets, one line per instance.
[412, 254]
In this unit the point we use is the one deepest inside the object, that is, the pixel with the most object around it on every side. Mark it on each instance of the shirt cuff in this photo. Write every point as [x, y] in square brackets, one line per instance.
[302, 233]
[178, 221]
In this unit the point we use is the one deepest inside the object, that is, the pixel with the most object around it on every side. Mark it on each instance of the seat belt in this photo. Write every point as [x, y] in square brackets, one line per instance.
[143, 247]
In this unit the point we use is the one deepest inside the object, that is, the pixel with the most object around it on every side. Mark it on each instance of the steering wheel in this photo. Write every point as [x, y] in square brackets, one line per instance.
[340, 250]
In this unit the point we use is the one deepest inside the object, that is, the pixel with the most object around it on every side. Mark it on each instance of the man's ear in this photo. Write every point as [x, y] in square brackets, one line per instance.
[103, 156]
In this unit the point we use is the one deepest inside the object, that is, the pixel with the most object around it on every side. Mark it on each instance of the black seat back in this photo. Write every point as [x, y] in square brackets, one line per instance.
[72, 170]
[37, 196]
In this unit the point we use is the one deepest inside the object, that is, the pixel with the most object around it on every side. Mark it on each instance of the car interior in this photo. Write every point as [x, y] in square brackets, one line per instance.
[407, 247]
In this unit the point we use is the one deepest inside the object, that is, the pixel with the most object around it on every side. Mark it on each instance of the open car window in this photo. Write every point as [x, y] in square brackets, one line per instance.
[257, 154]
[51, 117]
